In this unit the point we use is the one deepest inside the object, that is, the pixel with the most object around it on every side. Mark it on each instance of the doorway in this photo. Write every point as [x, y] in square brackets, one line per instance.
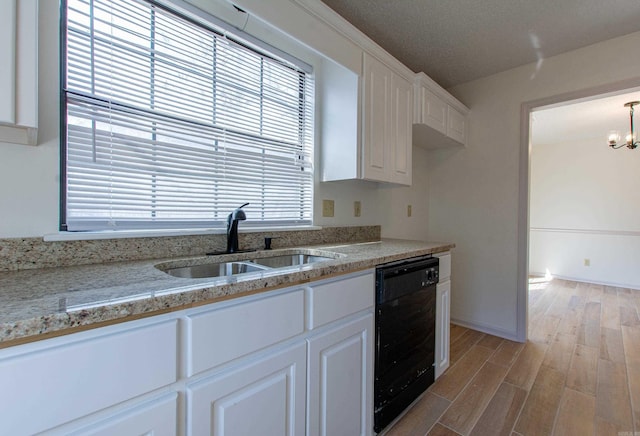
[528, 219]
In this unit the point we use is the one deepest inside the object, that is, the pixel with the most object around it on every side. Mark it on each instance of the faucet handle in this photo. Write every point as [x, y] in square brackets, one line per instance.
[267, 242]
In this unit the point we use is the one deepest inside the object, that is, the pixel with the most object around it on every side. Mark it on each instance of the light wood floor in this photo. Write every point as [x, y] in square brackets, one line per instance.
[579, 373]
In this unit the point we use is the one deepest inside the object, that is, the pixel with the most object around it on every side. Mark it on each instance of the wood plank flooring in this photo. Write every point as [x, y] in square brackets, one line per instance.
[578, 374]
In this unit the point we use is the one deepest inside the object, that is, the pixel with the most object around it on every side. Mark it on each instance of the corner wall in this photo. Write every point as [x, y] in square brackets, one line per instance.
[474, 192]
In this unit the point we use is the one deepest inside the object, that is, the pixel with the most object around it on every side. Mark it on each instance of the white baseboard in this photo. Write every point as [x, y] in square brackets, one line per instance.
[583, 280]
[487, 329]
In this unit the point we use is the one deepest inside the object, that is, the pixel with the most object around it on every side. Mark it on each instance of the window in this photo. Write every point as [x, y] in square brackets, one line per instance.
[169, 124]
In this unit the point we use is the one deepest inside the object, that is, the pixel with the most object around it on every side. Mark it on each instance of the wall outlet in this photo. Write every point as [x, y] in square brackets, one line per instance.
[357, 209]
[327, 208]
[587, 262]
[409, 210]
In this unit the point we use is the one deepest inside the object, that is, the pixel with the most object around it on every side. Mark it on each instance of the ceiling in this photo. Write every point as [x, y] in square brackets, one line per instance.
[455, 41]
[584, 119]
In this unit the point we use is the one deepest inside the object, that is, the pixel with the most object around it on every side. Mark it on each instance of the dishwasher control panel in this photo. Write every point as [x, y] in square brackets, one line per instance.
[430, 276]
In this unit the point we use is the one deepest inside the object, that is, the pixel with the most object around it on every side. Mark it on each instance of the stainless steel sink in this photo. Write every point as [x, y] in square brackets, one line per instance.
[213, 270]
[283, 261]
[207, 267]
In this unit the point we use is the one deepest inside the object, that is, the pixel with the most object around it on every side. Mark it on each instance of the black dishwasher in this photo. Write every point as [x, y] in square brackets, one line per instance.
[405, 335]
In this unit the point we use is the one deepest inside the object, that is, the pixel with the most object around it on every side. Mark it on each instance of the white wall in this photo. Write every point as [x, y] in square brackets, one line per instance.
[474, 191]
[583, 205]
[29, 176]
[385, 205]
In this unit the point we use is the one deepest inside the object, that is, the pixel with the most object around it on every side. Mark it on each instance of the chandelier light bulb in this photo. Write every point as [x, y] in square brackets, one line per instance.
[614, 137]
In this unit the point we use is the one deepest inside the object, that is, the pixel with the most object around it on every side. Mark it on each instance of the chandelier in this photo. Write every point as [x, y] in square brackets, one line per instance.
[630, 140]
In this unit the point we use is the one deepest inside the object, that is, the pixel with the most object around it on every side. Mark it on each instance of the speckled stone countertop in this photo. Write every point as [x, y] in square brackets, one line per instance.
[40, 303]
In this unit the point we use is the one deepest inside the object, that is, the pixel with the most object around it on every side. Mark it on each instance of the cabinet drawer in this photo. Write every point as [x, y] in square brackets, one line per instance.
[51, 385]
[156, 418]
[445, 266]
[221, 335]
[343, 297]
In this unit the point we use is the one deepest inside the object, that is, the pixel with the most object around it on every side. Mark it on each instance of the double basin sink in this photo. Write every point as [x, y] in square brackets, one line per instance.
[210, 267]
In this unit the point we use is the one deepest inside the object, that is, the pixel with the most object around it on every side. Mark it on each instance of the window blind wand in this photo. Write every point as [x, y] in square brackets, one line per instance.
[232, 228]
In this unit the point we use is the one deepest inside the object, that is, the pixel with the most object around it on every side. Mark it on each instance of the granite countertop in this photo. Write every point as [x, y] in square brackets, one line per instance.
[40, 303]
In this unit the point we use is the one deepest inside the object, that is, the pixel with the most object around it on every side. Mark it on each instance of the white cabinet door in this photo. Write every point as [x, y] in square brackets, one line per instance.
[456, 126]
[376, 122]
[443, 303]
[19, 71]
[387, 123]
[264, 397]
[434, 111]
[443, 310]
[340, 397]
[7, 60]
[401, 145]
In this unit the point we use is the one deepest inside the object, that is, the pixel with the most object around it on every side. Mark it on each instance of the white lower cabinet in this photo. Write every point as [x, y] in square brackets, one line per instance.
[265, 397]
[443, 318]
[320, 384]
[340, 372]
[294, 361]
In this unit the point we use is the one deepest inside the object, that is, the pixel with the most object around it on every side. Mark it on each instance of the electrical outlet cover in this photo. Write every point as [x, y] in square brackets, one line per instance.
[327, 208]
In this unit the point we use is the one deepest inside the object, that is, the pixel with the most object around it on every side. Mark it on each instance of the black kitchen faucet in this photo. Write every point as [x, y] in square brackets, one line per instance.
[232, 228]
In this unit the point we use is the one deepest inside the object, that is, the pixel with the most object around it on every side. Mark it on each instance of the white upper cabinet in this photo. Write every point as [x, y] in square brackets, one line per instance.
[367, 134]
[19, 72]
[439, 120]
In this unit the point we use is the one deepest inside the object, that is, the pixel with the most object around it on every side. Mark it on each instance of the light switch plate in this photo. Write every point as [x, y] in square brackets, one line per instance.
[357, 208]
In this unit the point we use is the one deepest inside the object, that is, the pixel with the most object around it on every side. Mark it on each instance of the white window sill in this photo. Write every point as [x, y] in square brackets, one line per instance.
[122, 234]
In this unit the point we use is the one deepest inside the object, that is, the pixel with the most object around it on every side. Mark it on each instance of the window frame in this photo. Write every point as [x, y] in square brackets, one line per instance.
[211, 24]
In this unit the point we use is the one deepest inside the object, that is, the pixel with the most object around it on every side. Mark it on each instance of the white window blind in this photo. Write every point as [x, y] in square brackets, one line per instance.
[173, 125]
